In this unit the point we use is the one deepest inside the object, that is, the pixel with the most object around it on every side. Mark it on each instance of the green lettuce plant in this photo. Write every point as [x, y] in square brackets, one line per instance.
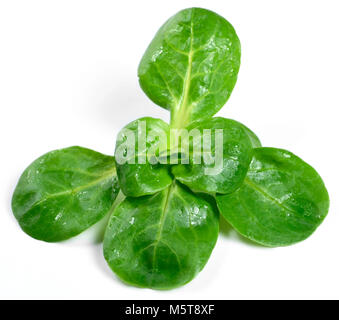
[163, 232]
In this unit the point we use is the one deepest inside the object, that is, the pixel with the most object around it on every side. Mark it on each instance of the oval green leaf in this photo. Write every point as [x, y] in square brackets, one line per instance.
[222, 171]
[161, 241]
[64, 192]
[138, 147]
[191, 65]
[282, 200]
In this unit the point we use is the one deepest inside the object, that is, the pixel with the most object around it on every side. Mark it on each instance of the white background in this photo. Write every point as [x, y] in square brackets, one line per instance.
[68, 76]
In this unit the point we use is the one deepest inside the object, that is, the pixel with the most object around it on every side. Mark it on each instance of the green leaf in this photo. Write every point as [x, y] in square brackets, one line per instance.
[191, 65]
[253, 137]
[64, 192]
[161, 241]
[139, 145]
[282, 201]
[231, 155]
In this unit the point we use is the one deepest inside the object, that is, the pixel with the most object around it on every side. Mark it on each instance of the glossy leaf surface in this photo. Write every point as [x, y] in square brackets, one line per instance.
[138, 176]
[253, 137]
[191, 65]
[229, 169]
[282, 201]
[64, 192]
[161, 241]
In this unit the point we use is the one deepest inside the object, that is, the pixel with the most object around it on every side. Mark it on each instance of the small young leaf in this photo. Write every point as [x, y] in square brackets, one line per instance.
[191, 65]
[64, 192]
[161, 241]
[282, 200]
[138, 144]
[231, 156]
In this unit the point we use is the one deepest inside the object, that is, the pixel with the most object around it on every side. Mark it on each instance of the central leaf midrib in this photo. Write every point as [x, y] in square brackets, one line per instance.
[161, 224]
[267, 195]
[107, 175]
[181, 116]
[164, 211]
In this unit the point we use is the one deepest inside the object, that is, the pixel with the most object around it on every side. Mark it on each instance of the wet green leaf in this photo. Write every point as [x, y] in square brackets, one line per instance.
[161, 241]
[282, 200]
[224, 169]
[64, 192]
[191, 66]
[139, 145]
